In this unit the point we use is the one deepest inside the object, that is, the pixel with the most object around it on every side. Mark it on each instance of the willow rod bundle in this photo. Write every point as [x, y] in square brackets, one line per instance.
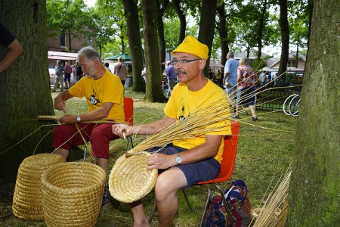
[275, 209]
[197, 124]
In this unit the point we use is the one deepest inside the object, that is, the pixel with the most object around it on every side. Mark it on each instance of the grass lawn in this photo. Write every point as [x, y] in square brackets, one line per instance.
[264, 152]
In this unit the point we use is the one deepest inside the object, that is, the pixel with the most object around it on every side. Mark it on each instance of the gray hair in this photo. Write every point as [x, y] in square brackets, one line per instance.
[89, 52]
[230, 55]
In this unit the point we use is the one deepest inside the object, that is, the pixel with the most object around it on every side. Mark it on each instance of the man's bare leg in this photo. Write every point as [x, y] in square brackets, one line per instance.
[63, 152]
[102, 162]
[166, 187]
[139, 217]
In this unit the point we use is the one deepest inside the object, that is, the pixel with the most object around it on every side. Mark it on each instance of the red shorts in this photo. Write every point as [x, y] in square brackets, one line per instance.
[67, 136]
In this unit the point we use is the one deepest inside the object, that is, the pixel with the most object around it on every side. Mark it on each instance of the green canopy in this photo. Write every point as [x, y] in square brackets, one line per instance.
[124, 57]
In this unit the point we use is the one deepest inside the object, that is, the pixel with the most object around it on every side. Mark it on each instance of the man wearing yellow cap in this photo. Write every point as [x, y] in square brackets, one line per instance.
[188, 161]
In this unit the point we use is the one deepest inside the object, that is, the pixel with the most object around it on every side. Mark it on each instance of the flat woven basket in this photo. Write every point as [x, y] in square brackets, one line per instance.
[27, 194]
[130, 180]
[72, 194]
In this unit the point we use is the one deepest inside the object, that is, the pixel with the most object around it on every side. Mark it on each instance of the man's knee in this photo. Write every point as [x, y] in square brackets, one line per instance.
[165, 187]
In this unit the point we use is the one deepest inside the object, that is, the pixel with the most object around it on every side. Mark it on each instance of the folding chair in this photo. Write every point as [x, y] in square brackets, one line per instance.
[228, 161]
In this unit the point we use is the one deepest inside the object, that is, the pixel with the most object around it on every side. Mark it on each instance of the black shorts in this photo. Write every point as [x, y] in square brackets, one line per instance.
[248, 96]
[195, 172]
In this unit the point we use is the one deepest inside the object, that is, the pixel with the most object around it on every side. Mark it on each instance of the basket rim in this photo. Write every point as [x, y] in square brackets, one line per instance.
[148, 187]
[74, 190]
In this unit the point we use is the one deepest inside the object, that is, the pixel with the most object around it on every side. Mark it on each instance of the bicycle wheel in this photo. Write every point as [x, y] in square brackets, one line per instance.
[285, 105]
[294, 106]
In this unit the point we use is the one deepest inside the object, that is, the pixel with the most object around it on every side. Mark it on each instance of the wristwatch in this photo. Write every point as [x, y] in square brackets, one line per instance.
[178, 159]
[78, 118]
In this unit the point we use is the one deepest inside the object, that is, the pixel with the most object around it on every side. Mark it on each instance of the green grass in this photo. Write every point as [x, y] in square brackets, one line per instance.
[264, 152]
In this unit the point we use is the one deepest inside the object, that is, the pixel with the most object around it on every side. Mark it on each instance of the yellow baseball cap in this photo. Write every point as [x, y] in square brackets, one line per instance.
[191, 45]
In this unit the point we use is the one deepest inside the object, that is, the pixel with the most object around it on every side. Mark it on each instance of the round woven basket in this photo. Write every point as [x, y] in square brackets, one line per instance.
[130, 180]
[27, 194]
[72, 194]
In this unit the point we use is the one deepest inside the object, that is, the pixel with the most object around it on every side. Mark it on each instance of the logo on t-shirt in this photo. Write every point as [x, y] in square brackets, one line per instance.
[94, 100]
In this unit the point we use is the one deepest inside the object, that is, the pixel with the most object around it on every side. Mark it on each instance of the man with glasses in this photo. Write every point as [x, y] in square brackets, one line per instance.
[184, 162]
[104, 95]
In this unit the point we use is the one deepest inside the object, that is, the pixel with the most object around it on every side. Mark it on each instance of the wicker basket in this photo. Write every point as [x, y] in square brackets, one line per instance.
[72, 194]
[27, 194]
[130, 180]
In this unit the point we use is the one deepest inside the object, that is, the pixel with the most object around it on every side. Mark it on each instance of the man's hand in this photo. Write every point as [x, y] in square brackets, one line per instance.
[68, 119]
[59, 104]
[161, 161]
[122, 130]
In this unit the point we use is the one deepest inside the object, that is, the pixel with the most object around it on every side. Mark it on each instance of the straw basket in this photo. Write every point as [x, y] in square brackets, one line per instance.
[130, 180]
[27, 194]
[72, 194]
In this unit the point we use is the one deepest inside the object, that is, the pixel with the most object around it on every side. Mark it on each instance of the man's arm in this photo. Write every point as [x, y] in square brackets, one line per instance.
[14, 50]
[207, 150]
[60, 99]
[145, 129]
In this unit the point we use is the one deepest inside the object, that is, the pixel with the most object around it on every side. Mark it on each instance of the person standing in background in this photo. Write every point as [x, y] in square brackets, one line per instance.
[120, 70]
[67, 74]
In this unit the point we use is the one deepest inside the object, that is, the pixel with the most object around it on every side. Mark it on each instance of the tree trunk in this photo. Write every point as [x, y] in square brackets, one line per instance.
[314, 190]
[222, 28]
[160, 27]
[135, 44]
[122, 43]
[69, 41]
[152, 59]
[182, 20]
[261, 26]
[207, 24]
[284, 27]
[297, 55]
[24, 87]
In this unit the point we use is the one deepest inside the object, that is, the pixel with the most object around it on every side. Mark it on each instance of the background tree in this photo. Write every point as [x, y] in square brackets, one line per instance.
[284, 27]
[151, 48]
[161, 5]
[133, 30]
[314, 189]
[223, 31]
[207, 23]
[68, 17]
[181, 16]
[24, 87]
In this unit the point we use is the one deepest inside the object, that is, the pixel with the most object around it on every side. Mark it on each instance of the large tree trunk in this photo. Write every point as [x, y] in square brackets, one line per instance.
[222, 29]
[314, 190]
[135, 44]
[284, 27]
[261, 26]
[207, 24]
[24, 87]
[152, 59]
[182, 20]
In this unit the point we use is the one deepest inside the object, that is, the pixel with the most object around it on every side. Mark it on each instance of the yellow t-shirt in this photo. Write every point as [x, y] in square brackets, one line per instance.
[108, 88]
[182, 102]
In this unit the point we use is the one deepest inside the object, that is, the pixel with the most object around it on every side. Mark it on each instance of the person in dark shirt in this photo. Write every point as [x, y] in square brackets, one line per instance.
[14, 48]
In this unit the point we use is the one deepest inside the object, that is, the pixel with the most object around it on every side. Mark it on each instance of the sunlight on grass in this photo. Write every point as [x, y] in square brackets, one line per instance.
[263, 154]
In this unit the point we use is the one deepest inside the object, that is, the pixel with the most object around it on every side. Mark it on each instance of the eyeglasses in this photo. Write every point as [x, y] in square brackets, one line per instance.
[183, 61]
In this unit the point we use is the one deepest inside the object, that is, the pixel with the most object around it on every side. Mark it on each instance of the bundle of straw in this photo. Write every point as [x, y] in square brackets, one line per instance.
[275, 209]
[197, 124]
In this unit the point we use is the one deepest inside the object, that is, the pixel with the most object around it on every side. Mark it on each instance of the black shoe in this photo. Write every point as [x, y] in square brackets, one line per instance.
[106, 196]
[236, 116]
[254, 118]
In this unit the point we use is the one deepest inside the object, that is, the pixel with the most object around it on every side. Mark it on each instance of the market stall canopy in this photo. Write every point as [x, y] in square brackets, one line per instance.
[58, 55]
[125, 57]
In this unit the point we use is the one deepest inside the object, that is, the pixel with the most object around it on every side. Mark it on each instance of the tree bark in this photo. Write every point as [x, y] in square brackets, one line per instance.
[135, 44]
[152, 59]
[182, 20]
[261, 26]
[207, 24]
[222, 28]
[121, 36]
[314, 189]
[24, 87]
[284, 27]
